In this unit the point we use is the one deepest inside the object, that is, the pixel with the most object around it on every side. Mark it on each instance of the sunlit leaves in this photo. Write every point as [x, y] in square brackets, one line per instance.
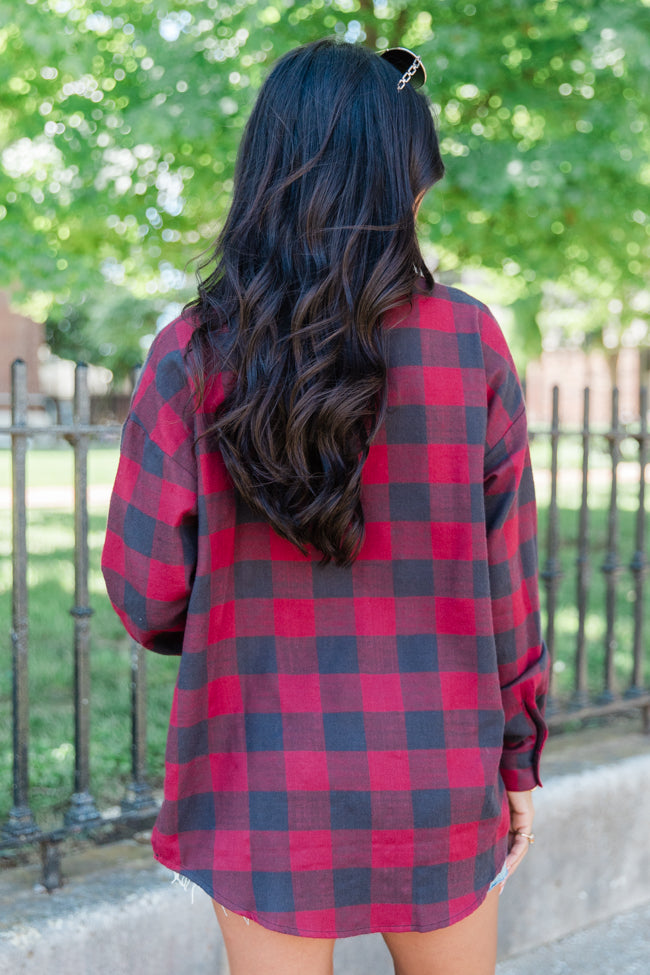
[119, 124]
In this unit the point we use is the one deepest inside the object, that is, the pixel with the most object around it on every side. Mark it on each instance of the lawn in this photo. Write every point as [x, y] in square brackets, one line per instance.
[569, 500]
[55, 467]
[51, 582]
[50, 541]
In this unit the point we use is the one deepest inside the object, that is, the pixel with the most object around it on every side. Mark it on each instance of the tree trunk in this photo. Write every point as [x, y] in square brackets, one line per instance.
[611, 358]
[369, 22]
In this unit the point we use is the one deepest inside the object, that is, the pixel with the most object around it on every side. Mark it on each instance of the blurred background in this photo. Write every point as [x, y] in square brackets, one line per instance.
[119, 125]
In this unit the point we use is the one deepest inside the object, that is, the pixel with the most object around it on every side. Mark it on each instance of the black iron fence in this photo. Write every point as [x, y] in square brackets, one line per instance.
[606, 676]
[137, 807]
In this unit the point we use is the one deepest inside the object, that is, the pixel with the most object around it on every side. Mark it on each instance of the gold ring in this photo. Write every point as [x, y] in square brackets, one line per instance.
[529, 836]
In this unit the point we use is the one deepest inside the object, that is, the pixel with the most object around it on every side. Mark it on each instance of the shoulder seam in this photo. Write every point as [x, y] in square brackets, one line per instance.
[132, 418]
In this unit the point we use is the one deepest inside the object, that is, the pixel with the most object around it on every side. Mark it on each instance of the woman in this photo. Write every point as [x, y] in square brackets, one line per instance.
[324, 505]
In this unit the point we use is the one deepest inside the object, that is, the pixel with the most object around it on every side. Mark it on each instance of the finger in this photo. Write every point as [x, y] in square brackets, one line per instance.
[521, 831]
[518, 851]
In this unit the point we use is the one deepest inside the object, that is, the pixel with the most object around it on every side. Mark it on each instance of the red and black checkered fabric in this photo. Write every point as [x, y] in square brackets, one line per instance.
[341, 738]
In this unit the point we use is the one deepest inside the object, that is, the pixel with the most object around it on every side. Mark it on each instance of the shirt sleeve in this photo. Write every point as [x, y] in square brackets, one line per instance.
[149, 556]
[511, 524]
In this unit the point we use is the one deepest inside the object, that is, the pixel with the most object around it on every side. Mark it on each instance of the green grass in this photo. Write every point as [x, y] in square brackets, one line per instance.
[55, 467]
[51, 633]
[50, 542]
[566, 619]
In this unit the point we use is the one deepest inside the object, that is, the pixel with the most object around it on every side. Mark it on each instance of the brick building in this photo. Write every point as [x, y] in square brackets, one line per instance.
[20, 338]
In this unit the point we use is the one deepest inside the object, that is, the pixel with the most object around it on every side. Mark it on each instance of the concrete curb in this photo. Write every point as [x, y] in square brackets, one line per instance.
[591, 859]
[620, 944]
[119, 912]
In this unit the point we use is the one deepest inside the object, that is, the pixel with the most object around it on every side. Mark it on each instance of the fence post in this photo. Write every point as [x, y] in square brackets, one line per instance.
[611, 566]
[21, 820]
[552, 570]
[82, 810]
[639, 565]
[580, 695]
[138, 797]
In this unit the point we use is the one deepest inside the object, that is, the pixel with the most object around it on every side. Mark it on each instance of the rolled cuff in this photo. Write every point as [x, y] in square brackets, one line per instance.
[521, 779]
[520, 763]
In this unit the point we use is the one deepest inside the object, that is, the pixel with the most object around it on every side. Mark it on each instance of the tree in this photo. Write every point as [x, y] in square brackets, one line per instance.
[119, 124]
[114, 329]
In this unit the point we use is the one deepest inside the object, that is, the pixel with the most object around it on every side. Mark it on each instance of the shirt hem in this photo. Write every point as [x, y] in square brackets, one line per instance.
[265, 922]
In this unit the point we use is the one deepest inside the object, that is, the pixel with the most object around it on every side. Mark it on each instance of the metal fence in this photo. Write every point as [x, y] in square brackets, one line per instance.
[585, 699]
[137, 808]
[609, 694]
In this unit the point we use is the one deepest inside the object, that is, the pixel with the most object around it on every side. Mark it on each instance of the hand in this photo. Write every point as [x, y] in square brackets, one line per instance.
[521, 821]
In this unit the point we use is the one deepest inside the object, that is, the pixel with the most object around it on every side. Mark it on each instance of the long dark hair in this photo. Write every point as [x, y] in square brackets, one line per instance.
[318, 245]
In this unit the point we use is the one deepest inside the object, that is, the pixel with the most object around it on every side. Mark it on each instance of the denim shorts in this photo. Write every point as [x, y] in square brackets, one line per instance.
[500, 877]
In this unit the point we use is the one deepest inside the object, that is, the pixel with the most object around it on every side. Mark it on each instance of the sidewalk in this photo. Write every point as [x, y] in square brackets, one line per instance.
[119, 912]
[147, 930]
[621, 945]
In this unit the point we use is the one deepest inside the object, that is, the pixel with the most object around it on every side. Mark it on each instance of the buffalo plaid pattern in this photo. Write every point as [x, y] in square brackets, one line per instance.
[341, 739]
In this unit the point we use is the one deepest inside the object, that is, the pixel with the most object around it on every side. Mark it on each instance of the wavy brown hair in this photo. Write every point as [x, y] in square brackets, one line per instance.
[318, 245]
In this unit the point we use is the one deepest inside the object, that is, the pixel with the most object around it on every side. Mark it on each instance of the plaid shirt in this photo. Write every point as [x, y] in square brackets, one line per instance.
[341, 739]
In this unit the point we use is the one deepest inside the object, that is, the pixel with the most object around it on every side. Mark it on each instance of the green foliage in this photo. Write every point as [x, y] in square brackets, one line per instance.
[114, 329]
[119, 124]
